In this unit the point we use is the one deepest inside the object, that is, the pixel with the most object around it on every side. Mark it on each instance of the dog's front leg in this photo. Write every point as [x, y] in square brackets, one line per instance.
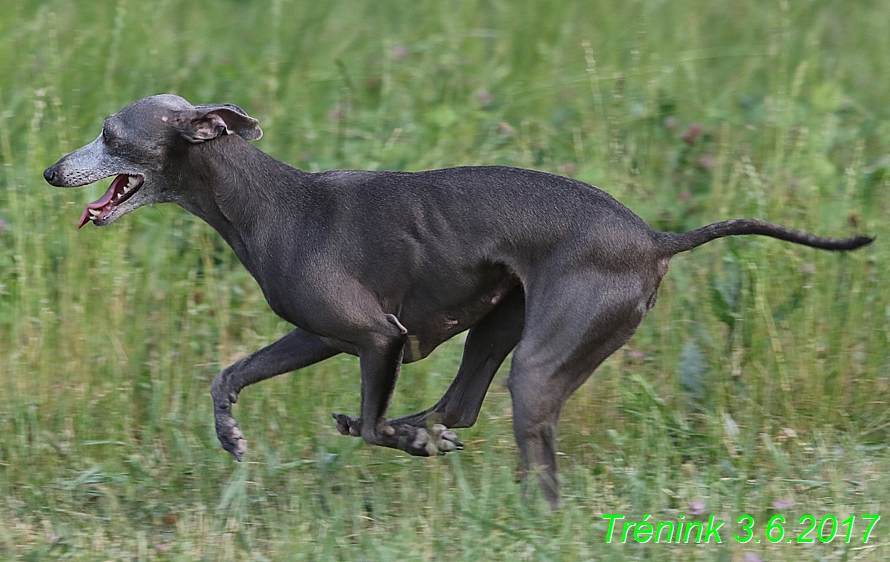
[294, 351]
[380, 361]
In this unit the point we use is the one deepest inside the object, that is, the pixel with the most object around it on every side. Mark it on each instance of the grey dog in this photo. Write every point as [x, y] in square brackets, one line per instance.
[388, 265]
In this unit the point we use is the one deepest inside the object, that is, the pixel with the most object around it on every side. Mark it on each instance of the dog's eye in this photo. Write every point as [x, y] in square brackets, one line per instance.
[107, 134]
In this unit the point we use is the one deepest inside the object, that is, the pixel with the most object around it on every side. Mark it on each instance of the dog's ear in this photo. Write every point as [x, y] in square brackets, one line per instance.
[210, 121]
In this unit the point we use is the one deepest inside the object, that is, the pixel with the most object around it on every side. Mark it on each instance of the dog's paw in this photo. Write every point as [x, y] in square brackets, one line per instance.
[348, 426]
[442, 440]
[231, 437]
[423, 442]
[227, 431]
[417, 441]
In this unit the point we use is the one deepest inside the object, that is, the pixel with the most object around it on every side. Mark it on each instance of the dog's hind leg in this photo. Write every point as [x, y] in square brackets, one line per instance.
[570, 329]
[488, 344]
[294, 351]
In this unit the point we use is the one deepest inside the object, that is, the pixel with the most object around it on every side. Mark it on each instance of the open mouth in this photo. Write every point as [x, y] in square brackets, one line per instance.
[122, 188]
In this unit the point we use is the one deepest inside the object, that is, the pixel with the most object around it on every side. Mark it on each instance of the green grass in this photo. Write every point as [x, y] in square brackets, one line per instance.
[757, 386]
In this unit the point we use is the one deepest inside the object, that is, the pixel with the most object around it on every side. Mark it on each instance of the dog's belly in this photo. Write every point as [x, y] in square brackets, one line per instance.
[428, 326]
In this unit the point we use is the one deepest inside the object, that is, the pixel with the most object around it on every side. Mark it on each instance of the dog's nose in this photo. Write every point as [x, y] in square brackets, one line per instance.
[50, 175]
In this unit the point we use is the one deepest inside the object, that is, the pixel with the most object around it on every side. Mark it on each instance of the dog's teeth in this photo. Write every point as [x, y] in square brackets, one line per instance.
[130, 185]
[95, 212]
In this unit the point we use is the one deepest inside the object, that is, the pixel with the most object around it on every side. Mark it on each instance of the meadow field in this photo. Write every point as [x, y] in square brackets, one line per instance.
[755, 393]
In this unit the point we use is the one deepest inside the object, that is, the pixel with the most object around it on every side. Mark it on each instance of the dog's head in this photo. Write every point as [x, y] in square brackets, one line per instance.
[138, 144]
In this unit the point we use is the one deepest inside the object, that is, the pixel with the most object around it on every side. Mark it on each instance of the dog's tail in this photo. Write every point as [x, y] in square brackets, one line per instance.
[671, 243]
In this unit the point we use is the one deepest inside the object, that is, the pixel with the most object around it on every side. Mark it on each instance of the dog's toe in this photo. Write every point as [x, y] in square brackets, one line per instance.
[239, 448]
[443, 440]
[342, 423]
[347, 426]
[231, 437]
[240, 443]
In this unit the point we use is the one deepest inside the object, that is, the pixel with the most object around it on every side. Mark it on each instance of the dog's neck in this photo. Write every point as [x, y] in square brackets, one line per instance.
[241, 192]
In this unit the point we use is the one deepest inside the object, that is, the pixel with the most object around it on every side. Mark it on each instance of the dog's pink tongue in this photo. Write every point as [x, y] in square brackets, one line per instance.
[99, 203]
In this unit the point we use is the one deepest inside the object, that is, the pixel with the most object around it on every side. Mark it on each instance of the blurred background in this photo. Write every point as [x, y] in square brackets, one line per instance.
[757, 386]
